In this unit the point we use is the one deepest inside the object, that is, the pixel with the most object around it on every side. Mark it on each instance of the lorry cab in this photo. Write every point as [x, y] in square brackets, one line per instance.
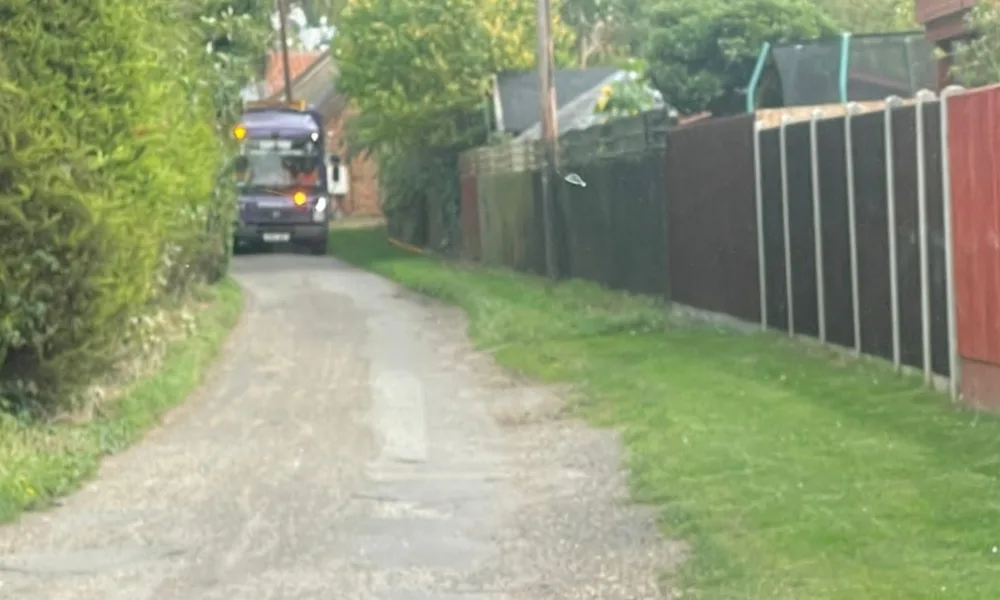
[282, 178]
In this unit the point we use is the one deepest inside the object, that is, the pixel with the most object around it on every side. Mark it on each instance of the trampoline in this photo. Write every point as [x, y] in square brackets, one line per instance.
[847, 68]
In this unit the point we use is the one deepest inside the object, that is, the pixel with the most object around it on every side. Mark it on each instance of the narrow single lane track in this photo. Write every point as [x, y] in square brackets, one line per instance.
[350, 445]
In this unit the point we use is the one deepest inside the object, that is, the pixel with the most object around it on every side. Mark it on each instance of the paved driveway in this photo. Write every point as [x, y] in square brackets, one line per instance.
[350, 445]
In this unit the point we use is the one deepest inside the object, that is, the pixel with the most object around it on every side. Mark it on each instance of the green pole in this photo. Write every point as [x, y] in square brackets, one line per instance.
[758, 72]
[845, 60]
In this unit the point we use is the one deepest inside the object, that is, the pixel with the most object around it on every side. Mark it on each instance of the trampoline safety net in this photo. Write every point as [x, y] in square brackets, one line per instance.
[878, 65]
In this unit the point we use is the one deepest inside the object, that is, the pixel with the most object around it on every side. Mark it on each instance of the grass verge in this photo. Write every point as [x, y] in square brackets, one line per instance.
[40, 462]
[795, 473]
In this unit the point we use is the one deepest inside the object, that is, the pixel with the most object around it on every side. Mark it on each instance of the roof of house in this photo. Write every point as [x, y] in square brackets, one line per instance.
[298, 63]
[313, 83]
[520, 99]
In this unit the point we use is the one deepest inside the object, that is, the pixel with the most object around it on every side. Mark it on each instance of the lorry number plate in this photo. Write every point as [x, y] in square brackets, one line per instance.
[276, 237]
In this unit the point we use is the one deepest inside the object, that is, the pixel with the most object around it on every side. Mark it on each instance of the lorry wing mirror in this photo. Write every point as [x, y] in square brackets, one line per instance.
[241, 164]
[335, 163]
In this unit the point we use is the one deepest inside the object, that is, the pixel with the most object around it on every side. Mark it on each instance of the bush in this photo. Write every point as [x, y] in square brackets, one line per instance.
[110, 198]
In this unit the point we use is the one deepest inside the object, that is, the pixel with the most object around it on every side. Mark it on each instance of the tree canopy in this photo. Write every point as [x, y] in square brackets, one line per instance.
[869, 16]
[413, 68]
[977, 61]
[605, 30]
[701, 53]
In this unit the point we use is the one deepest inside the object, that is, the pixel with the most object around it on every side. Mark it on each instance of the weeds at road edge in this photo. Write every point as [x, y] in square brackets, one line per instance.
[39, 462]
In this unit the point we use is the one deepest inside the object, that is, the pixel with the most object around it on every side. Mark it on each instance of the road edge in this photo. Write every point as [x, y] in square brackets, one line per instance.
[69, 454]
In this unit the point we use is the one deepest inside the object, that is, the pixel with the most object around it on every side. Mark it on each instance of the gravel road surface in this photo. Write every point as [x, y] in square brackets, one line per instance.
[350, 445]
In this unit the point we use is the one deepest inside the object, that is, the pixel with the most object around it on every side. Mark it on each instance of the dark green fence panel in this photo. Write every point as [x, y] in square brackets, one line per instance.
[612, 231]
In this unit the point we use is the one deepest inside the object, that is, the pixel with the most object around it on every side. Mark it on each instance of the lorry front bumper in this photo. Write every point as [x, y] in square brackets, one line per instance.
[265, 233]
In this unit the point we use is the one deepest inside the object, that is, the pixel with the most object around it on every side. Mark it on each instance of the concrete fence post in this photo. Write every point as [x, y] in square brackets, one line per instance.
[817, 202]
[853, 108]
[759, 196]
[954, 365]
[786, 226]
[891, 103]
[923, 97]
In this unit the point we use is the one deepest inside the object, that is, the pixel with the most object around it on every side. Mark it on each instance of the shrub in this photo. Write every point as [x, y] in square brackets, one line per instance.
[110, 193]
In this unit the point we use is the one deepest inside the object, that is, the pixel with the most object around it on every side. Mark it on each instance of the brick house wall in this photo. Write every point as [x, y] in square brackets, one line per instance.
[363, 195]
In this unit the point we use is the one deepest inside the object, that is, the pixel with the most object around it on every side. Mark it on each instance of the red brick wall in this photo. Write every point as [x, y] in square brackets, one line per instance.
[363, 193]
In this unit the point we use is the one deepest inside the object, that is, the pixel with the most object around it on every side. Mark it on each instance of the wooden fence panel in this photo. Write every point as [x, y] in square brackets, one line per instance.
[711, 217]
[469, 213]
[974, 151]
[800, 218]
[871, 191]
[904, 144]
[836, 230]
[774, 241]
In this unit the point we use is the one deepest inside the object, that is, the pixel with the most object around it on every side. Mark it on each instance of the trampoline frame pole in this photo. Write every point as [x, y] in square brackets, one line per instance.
[845, 60]
[758, 72]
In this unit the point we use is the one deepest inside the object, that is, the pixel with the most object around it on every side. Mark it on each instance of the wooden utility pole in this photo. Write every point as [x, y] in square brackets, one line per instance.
[549, 128]
[283, 28]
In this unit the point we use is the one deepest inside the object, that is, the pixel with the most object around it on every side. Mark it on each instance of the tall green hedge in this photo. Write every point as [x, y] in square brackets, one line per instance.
[111, 194]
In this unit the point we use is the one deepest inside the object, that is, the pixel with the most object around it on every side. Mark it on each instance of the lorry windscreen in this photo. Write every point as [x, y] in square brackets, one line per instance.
[280, 164]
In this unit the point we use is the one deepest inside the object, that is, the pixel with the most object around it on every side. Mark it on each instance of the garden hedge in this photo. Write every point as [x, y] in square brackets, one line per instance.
[110, 193]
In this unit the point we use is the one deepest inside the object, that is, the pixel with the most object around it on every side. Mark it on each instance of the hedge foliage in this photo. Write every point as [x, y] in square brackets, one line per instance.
[112, 194]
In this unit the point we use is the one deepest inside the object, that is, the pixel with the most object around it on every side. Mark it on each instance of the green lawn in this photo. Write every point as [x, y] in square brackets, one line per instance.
[794, 472]
[42, 461]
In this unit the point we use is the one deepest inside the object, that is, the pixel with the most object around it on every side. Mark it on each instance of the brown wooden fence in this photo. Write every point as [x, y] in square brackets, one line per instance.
[711, 232]
[825, 271]
[613, 231]
[974, 144]
[833, 227]
[469, 208]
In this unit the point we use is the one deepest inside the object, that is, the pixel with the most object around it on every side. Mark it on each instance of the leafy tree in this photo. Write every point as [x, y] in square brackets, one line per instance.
[512, 28]
[588, 19]
[418, 70]
[418, 73]
[701, 53]
[409, 66]
[976, 62]
[237, 34]
[869, 16]
[605, 30]
[315, 9]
